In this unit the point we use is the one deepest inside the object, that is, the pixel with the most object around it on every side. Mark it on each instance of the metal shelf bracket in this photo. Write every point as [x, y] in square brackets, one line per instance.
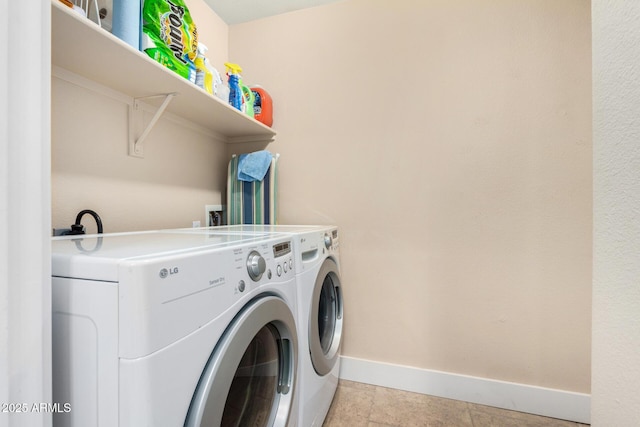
[136, 117]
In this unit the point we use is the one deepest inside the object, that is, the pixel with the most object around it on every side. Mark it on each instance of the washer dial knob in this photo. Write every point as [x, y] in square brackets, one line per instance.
[328, 241]
[256, 265]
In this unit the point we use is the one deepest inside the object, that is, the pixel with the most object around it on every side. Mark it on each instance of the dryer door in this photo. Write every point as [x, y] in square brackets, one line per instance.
[325, 321]
[250, 376]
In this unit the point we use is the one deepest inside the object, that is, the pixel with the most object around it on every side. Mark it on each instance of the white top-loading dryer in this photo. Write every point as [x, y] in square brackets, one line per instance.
[172, 329]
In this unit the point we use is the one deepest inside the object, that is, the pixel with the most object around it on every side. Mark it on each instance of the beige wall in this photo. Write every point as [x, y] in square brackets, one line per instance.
[184, 167]
[451, 142]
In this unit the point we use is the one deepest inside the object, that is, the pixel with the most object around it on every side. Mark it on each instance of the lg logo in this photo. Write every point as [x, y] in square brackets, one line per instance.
[164, 273]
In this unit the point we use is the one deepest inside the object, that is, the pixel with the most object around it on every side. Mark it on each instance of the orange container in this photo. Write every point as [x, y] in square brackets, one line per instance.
[262, 106]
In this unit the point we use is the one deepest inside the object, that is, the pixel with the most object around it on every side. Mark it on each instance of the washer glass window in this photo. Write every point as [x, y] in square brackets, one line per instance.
[327, 313]
[325, 318]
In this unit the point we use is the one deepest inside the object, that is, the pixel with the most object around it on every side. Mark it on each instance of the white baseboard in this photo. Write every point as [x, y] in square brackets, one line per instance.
[501, 394]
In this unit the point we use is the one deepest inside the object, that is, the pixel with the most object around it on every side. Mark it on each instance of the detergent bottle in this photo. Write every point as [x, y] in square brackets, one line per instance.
[262, 105]
[204, 78]
[248, 100]
[235, 93]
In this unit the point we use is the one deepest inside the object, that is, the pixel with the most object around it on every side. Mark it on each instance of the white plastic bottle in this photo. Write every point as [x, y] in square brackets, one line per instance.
[204, 78]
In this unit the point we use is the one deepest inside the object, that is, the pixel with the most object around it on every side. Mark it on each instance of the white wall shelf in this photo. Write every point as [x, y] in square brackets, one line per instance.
[83, 48]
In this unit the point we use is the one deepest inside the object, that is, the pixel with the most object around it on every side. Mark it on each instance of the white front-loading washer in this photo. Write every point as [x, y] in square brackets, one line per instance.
[320, 318]
[320, 313]
[173, 329]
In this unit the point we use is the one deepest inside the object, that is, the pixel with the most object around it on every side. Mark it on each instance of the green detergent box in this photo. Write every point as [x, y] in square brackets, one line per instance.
[169, 36]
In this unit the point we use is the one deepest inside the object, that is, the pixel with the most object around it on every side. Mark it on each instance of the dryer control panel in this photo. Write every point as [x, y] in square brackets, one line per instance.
[281, 249]
[271, 261]
[284, 258]
[256, 265]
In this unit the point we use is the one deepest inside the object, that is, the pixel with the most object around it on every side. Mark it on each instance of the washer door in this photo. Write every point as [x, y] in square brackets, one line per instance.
[250, 376]
[325, 321]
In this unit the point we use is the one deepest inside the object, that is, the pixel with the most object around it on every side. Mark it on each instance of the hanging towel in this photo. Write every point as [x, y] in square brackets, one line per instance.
[254, 166]
[252, 202]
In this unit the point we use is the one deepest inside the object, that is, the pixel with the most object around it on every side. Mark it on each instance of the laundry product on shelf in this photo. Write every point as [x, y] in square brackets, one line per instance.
[235, 93]
[262, 105]
[169, 36]
[204, 77]
[219, 89]
[240, 96]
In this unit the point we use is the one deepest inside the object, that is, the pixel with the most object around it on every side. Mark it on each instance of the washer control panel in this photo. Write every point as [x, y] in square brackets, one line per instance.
[331, 240]
[328, 240]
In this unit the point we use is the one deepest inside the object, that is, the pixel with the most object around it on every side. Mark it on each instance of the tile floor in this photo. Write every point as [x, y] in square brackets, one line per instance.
[364, 405]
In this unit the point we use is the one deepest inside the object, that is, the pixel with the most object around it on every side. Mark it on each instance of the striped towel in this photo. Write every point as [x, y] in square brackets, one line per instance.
[251, 202]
